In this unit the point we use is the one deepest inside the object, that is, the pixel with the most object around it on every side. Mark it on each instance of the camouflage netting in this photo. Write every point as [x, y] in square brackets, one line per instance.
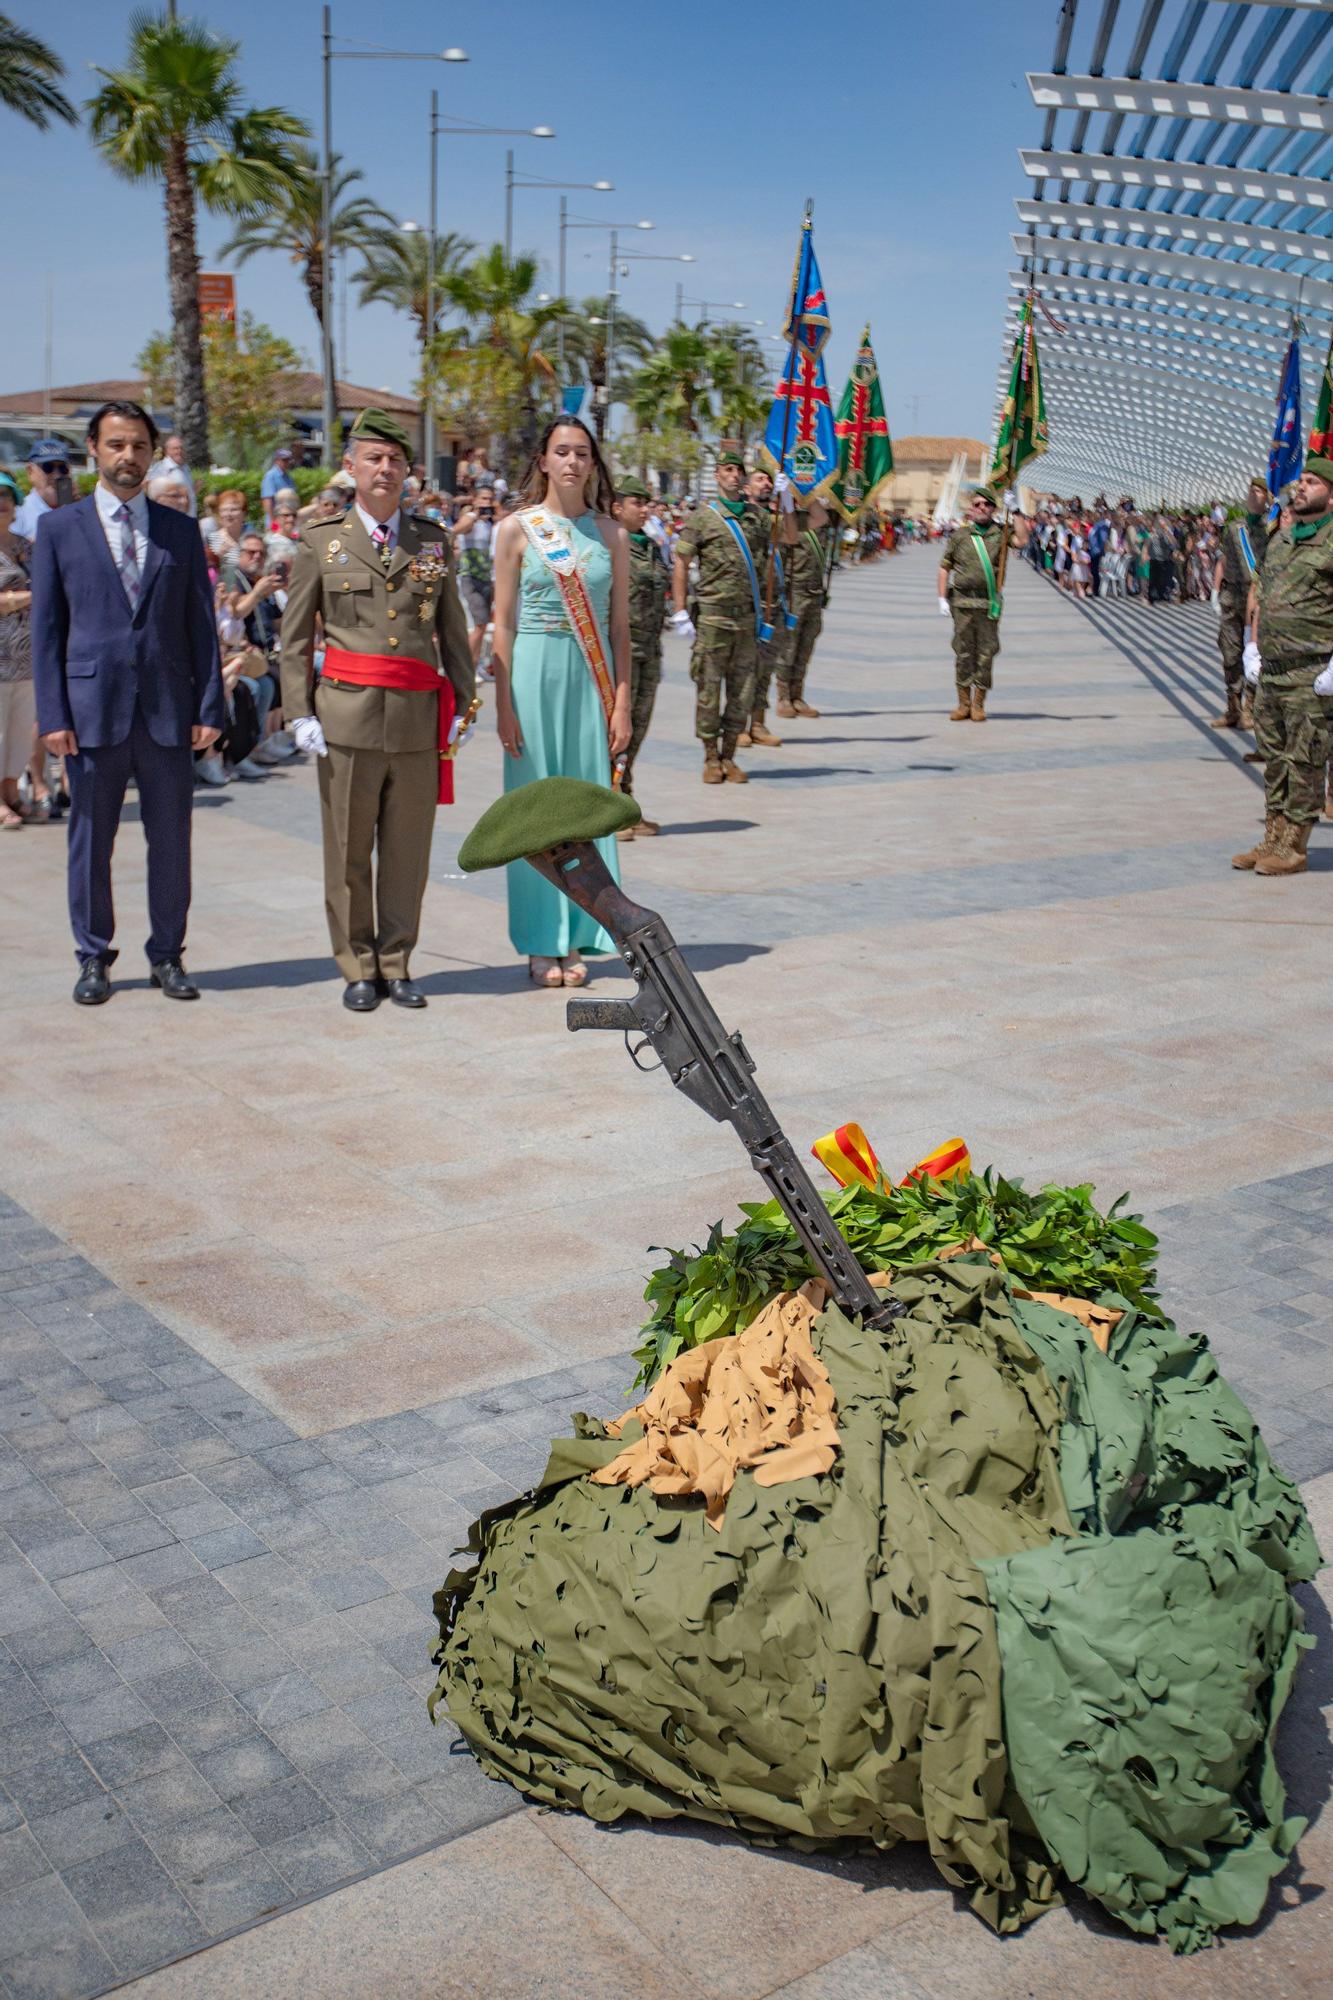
[1036, 1615]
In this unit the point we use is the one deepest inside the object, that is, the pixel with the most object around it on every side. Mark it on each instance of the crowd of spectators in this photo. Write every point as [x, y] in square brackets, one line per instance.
[1115, 549]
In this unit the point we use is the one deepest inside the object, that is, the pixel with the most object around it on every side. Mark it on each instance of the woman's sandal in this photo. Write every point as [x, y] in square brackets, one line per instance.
[575, 972]
[545, 972]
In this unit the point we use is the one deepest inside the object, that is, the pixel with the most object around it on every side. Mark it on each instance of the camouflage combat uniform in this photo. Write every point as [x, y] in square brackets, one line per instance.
[647, 602]
[805, 599]
[1235, 593]
[1293, 726]
[976, 635]
[723, 661]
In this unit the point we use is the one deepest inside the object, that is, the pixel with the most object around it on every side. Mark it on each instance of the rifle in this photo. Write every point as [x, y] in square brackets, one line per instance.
[713, 1068]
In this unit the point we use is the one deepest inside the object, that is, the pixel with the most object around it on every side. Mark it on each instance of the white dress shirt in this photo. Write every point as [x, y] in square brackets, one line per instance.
[109, 505]
[369, 523]
[30, 512]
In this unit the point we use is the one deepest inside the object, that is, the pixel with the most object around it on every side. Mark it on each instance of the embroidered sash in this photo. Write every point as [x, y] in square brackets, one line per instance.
[1246, 549]
[549, 535]
[762, 630]
[988, 571]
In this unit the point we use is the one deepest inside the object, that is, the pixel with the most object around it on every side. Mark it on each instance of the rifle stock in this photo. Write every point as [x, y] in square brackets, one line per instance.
[712, 1068]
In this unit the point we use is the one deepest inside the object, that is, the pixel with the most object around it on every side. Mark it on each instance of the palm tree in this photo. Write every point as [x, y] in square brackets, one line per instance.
[736, 372]
[296, 225]
[494, 297]
[175, 114]
[586, 328]
[28, 72]
[671, 390]
[396, 272]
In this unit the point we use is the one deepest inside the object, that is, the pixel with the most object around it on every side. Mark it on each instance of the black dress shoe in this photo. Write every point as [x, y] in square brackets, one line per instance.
[361, 996]
[92, 986]
[405, 993]
[174, 980]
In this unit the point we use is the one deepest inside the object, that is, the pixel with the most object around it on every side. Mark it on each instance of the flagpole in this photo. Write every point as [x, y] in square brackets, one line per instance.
[788, 378]
[1010, 474]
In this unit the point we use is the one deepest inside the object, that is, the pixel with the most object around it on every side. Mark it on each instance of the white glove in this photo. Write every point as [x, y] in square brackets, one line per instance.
[944, 607]
[682, 623]
[1324, 684]
[786, 498]
[1252, 663]
[309, 735]
[1215, 599]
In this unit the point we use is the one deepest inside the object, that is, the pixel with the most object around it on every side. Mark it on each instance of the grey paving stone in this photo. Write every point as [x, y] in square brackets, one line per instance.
[68, 1963]
[240, 1892]
[158, 1803]
[320, 1857]
[42, 1788]
[38, 1915]
[203, 1845]
[112, 1714]
[78, 1832]
[282, 1699]
[252, 1661]
[19, 1696]
[135, 1535]
[290, 1806]
[21, 1859]
[166, 1565]
[139, 1753]
[395, 1824]
[240, 1769]
[151, 1934]
[227, 1546]
[172, 1695]
[148, 1653]
[340, 1589]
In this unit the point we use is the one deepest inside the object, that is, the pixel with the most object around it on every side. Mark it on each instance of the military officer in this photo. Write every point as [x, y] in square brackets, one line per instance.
[1239, 559]
[973, 602]
[648, 580]
[805, 599]
[1291, 656]
[729, 538]
[397, 669]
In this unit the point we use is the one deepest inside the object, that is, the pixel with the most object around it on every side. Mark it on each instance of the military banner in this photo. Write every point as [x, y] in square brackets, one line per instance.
[1321, 435]
[1286, 455]
[1023, 434]
[865, 450]
[799, 437]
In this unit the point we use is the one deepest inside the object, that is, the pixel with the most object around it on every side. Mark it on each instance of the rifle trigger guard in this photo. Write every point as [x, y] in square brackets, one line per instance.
[635, 1049]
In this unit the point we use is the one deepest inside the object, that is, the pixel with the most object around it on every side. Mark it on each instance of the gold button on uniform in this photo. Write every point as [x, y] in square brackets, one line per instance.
[392, 612]
[393, 642]
[391, 586]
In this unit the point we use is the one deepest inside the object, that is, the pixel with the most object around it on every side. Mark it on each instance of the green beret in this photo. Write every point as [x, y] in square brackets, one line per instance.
[1260, 479]
[731, 458]
[541, 815]
[1321, 467]
[379, 424]
[630, 488]
[986, 493]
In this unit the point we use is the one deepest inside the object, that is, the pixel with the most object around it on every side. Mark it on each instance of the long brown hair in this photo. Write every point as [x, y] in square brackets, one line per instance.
[599, 493]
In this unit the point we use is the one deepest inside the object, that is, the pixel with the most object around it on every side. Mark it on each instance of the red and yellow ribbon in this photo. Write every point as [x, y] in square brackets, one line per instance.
[848, 1156]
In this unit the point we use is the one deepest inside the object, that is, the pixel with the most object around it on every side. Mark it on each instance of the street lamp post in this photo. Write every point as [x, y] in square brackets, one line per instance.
[710, 305]
[630, 257]
[370, 53]
[515, 179]
[586, 222]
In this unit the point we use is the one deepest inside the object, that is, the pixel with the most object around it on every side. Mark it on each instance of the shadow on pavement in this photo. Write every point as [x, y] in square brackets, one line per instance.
[710, 826]
[765, 771]
[271, 972]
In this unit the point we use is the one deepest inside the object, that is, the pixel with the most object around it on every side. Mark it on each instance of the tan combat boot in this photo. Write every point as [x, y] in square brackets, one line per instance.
[1288, 854]
[1247, 708]
[963, 712]
[731, 770]
[1232, 719]
[802, 707]
[1267, 845]
[786, 708]
[978, 704]
[713, 772]
[646, 828]
[759, 732]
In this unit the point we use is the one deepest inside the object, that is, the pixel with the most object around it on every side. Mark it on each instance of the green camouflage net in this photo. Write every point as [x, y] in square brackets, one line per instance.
[852, 1657]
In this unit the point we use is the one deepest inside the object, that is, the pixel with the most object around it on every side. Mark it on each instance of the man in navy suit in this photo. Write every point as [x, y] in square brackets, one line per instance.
[129, 682]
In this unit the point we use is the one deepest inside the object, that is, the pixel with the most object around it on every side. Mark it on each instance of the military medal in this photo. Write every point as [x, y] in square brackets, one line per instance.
[334, 546]
[430, 564]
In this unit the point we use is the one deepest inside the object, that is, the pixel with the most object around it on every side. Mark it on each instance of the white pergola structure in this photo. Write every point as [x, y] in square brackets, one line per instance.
[1176, 225]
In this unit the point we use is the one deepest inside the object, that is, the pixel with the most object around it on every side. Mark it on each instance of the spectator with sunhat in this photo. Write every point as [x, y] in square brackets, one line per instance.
[51, 484]
[276, 480]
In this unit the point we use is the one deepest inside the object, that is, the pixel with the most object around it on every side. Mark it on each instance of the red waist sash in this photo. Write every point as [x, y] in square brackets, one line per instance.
[384, 670]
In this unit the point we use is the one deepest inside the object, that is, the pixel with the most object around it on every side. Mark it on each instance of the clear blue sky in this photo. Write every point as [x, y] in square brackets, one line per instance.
[900, 119]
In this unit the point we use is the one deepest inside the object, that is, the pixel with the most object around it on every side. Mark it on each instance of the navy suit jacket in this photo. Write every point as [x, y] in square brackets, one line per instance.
[92, 662]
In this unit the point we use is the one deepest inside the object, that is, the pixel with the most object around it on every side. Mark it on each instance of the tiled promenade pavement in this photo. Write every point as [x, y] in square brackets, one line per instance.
[285, 1297]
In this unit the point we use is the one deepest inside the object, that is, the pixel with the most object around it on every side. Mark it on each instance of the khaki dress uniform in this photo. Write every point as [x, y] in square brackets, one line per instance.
[379, 783]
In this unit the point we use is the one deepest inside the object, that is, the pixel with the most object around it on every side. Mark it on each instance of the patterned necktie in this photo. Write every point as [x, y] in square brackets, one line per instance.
[383, 541]
[128, 564]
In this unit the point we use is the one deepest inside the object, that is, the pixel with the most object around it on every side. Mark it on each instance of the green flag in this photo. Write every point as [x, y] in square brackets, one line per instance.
[1023, 433]
[1321, 437]
[865, 452]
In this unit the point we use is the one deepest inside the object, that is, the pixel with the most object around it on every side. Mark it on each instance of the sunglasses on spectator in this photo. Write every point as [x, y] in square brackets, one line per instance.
[56, 465]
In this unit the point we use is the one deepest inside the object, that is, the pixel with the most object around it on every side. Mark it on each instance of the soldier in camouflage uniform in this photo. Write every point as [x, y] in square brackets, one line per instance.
[771, 655]
[1239, 559]
[976, 634]
[722, 665]
[805, 598]
[648, 579]
[1292, 626]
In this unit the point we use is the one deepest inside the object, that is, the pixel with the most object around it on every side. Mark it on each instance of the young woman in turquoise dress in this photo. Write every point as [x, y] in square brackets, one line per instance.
[551, 717]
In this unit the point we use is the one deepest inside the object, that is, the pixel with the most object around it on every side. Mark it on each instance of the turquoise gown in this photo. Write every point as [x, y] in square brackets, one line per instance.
[563, 727]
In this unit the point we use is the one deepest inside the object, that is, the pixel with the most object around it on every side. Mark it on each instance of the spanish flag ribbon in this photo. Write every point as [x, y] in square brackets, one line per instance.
[849, 1156]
